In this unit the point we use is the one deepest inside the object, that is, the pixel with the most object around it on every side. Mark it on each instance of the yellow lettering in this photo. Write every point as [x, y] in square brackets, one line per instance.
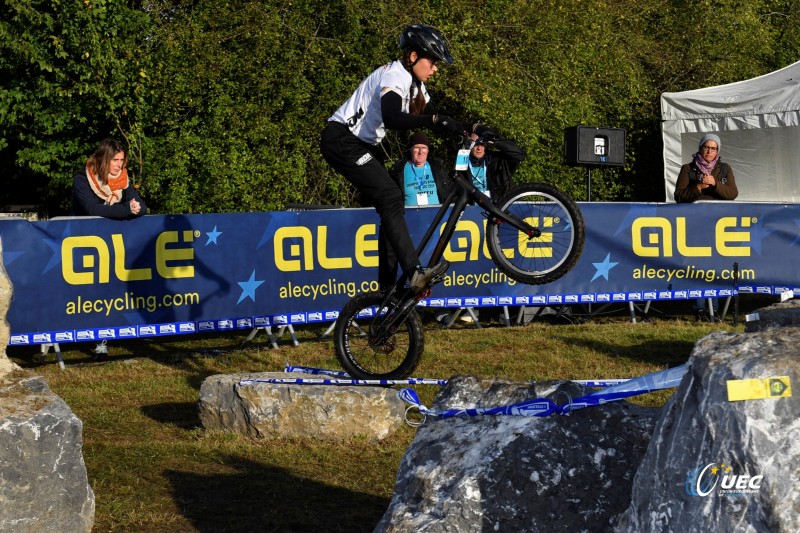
[165, 255]
[123, 274]
[470, 241]
[683, 248]
[651, 249]
[68, 250]
[724, 237]
[325, 261]
[531, 247]
[294, 265]
[364, 245]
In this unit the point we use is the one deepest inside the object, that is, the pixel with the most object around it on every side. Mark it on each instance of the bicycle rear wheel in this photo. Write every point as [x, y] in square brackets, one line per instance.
[395, 356]
[545, 258]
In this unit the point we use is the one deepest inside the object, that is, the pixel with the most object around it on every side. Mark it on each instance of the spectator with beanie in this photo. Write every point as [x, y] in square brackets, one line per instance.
[423, 181]
[706, 177]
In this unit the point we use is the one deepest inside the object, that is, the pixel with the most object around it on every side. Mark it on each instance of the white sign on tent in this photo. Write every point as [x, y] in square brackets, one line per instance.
[758, 122]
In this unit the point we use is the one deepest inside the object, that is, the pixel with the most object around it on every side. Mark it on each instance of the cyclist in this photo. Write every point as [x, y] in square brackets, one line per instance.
[391, 97]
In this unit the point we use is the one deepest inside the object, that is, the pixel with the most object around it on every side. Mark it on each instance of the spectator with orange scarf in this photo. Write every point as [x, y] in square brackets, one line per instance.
[102, 187]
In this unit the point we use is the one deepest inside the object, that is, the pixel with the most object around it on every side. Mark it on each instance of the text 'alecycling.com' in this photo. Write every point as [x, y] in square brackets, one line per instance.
[129, 302]
[332, 287]
[709, 275]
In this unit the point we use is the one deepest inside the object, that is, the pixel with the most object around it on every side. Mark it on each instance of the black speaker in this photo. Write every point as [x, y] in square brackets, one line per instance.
[591, 146]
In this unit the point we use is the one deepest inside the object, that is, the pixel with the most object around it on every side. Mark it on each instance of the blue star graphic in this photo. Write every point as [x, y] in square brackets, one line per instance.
[249, 287]
[758, 233]
[55, 247]
[212, 236]
[10, 257]
[604, 267]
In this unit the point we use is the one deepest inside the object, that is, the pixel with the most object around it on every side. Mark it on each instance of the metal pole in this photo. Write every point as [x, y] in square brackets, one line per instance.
[736, 298]
[589, 184]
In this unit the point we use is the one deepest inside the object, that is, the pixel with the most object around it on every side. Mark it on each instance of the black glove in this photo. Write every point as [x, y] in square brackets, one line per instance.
[480, 129]
[452, 125]
[486, 135]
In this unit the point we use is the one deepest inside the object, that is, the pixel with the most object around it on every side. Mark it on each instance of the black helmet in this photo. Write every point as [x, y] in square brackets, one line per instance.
[426, 41]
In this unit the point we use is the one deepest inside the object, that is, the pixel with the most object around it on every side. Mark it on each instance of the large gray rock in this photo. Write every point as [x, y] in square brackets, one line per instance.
[701, 428]
[514, 473]
[287, 410]
[776, 315]
[43, 480]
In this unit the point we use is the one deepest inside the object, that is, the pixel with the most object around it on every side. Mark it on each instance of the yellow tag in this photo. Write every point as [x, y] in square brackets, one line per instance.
[759, 389]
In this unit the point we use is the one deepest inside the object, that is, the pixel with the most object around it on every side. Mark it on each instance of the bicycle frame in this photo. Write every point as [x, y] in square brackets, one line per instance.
[464, 193]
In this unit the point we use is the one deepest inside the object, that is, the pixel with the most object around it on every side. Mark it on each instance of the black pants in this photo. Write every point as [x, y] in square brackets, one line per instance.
[361, 164]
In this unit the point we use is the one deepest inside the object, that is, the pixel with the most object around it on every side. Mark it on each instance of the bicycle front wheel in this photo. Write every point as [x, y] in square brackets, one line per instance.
[541, 259]
[367, 353]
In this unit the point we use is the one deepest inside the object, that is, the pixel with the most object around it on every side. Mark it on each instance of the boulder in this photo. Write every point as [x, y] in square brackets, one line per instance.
[712, 463]
[776, 315]
[720, 465]
[328, 412]
[515, 473]
[43, 481]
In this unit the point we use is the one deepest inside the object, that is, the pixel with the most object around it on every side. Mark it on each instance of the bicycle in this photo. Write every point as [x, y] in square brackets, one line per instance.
[535, 234]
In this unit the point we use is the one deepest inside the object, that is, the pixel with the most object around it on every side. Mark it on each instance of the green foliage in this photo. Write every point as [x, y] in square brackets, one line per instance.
[72, 73]
[222, 103]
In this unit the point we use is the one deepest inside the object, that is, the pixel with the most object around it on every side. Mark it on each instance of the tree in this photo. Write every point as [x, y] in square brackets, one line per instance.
[222, 103]
[71, 73]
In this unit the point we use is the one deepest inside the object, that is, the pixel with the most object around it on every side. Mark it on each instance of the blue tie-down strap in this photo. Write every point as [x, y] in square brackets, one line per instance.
[336, 377]
[664, 379]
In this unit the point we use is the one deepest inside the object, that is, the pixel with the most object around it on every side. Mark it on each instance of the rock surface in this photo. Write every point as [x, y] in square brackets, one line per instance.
[514, 473]
[325, 412]
[710, 465]
[701, 427]
[43, 480]
[776, 315]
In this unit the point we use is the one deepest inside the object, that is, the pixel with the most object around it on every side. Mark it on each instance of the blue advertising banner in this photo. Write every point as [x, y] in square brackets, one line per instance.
[82, 279]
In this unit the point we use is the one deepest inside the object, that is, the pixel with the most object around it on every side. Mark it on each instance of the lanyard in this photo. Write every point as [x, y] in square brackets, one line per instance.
[476, 176]
[419, 178]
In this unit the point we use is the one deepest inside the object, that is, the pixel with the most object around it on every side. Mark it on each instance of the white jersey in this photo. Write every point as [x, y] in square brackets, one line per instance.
[362, 111]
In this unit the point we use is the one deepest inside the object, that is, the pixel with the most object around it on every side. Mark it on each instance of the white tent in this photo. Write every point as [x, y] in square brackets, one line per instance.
[758, 122]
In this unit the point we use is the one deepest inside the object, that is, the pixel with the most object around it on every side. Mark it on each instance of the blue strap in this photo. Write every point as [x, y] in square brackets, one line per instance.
[543, 407]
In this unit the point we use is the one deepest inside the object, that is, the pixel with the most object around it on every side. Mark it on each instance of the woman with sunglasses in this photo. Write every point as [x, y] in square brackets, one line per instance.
[391, 97]
[706, 177]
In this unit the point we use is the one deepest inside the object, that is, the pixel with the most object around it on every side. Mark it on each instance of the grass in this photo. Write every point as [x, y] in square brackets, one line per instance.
[154, 468]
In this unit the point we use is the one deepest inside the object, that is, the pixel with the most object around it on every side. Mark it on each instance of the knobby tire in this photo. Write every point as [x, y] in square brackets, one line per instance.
[394, 358]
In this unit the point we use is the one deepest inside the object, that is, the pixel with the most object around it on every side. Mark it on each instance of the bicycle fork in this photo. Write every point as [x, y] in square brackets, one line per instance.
[384, 326]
